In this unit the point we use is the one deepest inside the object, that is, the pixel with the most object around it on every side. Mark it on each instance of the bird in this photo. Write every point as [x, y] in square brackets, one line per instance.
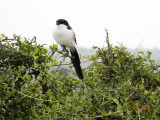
[64, 35]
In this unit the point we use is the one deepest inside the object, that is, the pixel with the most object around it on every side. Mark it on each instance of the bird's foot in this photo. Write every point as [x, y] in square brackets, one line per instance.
[65, 50]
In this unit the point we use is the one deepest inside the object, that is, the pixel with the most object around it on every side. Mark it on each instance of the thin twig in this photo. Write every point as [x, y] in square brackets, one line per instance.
[138, 47]
[141, 95]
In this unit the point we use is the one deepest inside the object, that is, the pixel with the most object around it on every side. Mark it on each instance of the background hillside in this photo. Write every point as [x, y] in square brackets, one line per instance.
[155, 53]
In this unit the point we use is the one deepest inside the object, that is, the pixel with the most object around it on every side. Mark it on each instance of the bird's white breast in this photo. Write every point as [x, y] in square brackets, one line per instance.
[64, 36]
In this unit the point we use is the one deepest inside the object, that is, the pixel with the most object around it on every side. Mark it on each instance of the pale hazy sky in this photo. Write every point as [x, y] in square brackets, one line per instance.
[128, 21]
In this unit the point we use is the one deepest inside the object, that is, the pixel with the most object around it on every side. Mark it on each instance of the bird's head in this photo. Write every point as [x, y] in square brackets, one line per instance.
[62, 21]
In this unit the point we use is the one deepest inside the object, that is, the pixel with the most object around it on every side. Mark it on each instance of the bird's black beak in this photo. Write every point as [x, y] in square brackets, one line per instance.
[57, 23]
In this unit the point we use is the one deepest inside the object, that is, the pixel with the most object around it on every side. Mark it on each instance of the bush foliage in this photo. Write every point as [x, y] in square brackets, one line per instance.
[117, 85]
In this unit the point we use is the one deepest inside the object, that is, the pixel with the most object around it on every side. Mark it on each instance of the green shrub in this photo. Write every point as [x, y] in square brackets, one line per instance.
[117, 84]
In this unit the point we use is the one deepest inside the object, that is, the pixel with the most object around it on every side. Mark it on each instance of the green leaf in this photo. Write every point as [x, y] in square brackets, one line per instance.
[3, 35]
[14, 35]
[36, 115]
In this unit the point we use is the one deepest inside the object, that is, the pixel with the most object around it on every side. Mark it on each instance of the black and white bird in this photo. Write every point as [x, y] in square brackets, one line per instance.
[65, 36]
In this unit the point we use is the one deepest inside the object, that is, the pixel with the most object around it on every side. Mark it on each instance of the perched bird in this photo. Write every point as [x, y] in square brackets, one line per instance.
[65, 36]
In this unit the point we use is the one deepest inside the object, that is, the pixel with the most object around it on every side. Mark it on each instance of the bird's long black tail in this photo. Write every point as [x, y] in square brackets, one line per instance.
[76, 62]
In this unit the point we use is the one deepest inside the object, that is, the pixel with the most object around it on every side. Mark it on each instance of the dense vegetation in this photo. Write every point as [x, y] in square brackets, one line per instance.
[117, 85]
